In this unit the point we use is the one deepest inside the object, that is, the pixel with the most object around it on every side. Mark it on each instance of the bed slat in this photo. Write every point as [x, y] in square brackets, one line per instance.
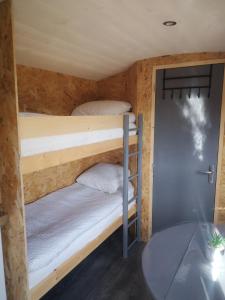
[33, 127]
[39, 162]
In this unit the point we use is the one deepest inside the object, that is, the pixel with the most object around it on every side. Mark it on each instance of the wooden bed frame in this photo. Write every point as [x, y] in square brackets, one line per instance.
[34, 127]
[38, 126]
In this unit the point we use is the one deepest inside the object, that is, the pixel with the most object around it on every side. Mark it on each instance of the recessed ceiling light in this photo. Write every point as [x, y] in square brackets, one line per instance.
[169, 23]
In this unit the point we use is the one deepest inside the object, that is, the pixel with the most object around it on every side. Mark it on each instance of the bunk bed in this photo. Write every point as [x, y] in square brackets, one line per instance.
[83, 216]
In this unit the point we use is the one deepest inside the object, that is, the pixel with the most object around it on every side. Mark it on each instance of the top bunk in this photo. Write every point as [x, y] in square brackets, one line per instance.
[48, 141]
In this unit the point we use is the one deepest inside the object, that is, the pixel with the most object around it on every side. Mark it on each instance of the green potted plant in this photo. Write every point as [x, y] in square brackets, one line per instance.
[217, 245]
[217, 242]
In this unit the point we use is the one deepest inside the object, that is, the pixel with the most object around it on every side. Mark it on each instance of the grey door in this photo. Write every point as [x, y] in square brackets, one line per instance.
[187, 120]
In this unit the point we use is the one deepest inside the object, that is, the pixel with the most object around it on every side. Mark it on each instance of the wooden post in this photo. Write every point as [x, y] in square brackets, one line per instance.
[11, 196]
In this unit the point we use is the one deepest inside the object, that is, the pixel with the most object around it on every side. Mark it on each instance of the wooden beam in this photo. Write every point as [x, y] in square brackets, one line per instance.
[3, 219]
[218, 200]
[146, 70]
[191, 63]
[39, 162]
[38, 291]
[33, 127]
[14, 245]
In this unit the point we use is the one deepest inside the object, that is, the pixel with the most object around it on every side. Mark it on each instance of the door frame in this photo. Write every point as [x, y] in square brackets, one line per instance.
[221, 132]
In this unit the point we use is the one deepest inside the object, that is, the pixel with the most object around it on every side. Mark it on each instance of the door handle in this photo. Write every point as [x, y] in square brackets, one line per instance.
[210, 173]
[206, 172]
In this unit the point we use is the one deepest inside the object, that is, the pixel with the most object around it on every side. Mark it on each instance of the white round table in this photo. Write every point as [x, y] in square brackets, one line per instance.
[179, 264]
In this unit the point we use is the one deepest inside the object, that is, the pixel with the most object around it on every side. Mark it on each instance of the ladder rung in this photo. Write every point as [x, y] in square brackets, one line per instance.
[133, 153]
[133, 176]
[132, 222]
[132, 243]
[132, 199]
[133, 129]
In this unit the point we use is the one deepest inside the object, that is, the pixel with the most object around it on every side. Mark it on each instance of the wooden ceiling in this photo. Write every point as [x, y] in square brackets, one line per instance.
[97, 38]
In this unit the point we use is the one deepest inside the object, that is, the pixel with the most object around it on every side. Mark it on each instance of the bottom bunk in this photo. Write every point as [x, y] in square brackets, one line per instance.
[66, 226]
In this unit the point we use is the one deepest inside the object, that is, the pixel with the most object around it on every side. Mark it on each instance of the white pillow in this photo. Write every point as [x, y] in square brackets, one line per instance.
[130, 190]
[103, 107]
[103, 176]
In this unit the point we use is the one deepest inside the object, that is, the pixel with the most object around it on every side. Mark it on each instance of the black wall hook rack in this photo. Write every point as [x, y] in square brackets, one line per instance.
[188, 87]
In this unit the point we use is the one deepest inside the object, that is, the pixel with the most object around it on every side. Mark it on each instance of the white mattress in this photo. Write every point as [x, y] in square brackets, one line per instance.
[62, 223]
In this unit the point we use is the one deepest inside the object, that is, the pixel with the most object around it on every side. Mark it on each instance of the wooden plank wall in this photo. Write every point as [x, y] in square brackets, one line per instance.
[119, 87]
[52, 93]
[47, 92]
[221, 202]
[136, 84]
[113, 87]
[14, 245]
[122, 86]
[43, 182]
[144, 100]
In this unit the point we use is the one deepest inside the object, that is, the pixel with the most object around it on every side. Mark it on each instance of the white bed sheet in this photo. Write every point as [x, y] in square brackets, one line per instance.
[62, 223]
[39, 145]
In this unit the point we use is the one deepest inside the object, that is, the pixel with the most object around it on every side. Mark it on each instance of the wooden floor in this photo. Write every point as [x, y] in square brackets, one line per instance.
[105, 275]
